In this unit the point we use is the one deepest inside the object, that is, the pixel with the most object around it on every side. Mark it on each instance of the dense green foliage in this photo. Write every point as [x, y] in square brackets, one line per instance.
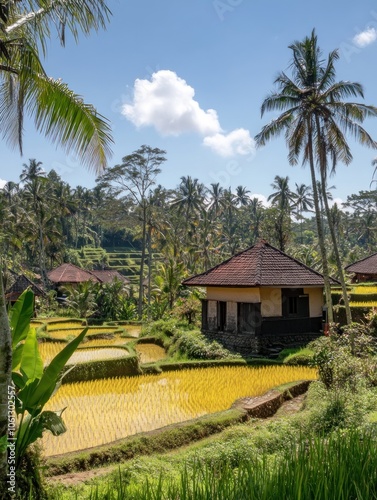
[189, 229]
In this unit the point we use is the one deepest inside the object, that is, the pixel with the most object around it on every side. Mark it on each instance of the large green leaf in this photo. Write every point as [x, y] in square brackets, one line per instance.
[32, 429]
[31, 361]
[20, 316]
[51, 375]
[16, 356]
[52, 421]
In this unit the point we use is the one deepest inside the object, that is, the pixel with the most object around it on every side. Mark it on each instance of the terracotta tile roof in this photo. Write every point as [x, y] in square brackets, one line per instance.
[108, 276]
[69, 273]
[364, 266]
[259, 265]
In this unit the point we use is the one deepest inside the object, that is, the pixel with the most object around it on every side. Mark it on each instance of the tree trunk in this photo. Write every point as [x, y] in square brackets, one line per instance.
[5, 375]
[141, 277]
[323, 173]
[149, 270]
[325, 267]
[336, 252]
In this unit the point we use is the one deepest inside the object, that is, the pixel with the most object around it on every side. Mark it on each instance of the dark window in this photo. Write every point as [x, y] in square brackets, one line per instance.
[221, 315]
[294, 303]
[248, 317]
[292, 306]
[204, 314]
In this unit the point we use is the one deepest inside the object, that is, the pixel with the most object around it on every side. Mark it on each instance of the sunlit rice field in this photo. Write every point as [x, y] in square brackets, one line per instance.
[102, 411]
[63, 333]
[150, 353]
[57, 325]
[84, 355]
[365, 289]
[369, 303]
[132, 330]
[48, 350]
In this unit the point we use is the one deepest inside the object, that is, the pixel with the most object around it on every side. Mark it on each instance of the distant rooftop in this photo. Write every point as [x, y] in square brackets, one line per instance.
[368, 265]
[69, 273]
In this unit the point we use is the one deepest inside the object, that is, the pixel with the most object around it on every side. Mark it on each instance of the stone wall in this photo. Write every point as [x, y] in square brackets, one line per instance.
[248, 344]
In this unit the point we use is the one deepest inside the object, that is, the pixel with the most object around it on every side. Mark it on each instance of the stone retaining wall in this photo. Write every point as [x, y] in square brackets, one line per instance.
[248, 344]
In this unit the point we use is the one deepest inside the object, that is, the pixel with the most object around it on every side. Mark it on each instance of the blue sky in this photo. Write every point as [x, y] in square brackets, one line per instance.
[189, 77]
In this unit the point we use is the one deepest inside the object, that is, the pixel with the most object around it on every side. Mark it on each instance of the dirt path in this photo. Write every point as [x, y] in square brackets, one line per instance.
[75, 478]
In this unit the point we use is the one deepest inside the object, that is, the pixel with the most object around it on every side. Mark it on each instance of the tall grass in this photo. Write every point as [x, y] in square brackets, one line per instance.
[340, 467]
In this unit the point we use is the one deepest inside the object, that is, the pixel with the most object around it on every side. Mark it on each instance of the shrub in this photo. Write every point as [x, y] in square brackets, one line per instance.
[302, 356]
[345, 360]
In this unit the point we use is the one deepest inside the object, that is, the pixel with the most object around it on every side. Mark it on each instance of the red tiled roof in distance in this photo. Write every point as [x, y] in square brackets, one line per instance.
[108, 276]
[364, 266]
[69, 273]
[259, 265]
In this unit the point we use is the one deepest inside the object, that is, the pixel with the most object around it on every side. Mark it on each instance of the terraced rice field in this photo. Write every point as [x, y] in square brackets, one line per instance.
[64, 333]
[369, 303]
[57, 325]
[150, 353]
[132, 330]
[49, 350]
[84, 355]
[365, 289]
[102, 411]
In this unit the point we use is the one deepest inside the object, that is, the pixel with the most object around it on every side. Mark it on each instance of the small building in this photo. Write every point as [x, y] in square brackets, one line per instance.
[21, 284]
[261, 299]
[69, 274]
[363, 270]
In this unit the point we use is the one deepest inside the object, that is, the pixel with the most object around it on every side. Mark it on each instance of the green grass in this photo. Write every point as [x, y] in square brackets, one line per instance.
[252, 461]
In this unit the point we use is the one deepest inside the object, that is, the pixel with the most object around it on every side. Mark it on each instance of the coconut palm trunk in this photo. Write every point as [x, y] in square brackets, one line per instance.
[318, 219]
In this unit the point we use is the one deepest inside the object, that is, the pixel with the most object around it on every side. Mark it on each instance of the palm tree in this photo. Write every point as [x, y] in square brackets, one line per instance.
[303, 202]
[314, 119]
[25, 87]
[59, 113]
[242, 199]
[283, 198]
[215, 204]
[190, 197]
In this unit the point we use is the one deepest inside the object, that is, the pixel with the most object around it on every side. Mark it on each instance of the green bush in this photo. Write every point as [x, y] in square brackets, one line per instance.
[106, 368]
[194, 345]
[299, 356]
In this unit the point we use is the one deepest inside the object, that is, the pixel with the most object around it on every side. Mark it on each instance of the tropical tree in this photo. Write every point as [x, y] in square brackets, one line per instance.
[315, 118]
[282, 199]
[242, 197]
[190, 197]
[134, 178]
[216, 201]
[303, 202]
[59, 113]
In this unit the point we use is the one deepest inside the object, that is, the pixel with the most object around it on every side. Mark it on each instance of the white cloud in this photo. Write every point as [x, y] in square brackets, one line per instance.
[236, 142]
[366, 37]
[166, 102]
[2, 183]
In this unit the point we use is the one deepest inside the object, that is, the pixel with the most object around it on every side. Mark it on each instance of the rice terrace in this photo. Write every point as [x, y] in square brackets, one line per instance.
[125, 406]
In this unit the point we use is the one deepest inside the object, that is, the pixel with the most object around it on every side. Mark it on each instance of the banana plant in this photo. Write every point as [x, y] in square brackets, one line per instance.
[34, 384]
